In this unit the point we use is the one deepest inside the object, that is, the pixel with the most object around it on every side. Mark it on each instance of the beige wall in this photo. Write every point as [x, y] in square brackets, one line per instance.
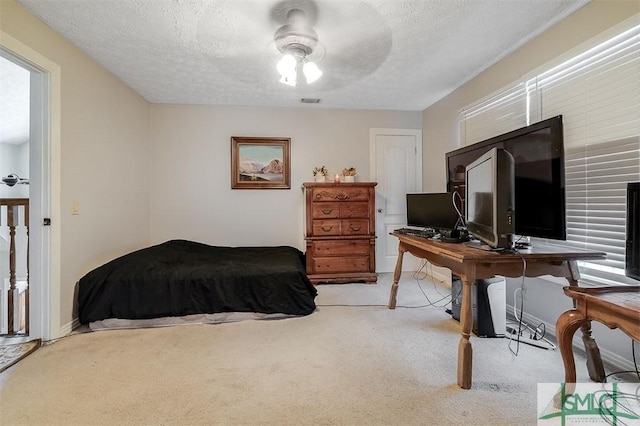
[544, 300]
[104, 146]
[440, 128]
[191, 195]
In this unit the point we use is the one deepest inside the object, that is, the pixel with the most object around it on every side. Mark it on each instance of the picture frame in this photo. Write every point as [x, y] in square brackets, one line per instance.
[260, 163]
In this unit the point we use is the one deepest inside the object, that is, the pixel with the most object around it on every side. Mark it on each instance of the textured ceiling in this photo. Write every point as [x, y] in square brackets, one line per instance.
[375, 54]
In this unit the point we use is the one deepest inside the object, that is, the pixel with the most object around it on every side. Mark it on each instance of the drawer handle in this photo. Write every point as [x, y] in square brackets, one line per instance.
[355, 228]
[326, 211]
[326, 228]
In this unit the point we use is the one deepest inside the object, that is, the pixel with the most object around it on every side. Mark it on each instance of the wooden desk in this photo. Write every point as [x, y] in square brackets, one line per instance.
[472, 264]
[615, 306]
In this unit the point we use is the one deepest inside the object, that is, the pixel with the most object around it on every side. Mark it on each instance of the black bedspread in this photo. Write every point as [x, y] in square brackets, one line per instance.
[181, 277]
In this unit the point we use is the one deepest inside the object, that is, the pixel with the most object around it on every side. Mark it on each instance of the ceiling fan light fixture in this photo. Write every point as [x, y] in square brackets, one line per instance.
[311, 72]
[287, 69]
[289, 80]
[296, 41]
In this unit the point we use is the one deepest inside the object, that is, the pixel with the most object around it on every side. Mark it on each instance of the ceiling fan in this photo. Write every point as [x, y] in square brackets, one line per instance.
[296, 41]
[346, 40]
[13, 179]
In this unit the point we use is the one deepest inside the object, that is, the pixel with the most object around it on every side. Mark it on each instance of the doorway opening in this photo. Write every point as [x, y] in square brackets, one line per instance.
[15, 98]
[33, 241]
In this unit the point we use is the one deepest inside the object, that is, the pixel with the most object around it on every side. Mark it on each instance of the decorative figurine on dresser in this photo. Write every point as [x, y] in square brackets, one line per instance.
[340, 232]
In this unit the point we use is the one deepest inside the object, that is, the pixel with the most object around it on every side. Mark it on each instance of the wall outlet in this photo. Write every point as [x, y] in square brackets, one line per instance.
[75, 207]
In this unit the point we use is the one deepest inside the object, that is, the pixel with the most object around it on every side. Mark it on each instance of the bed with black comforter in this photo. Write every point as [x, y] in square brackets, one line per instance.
[181, 278]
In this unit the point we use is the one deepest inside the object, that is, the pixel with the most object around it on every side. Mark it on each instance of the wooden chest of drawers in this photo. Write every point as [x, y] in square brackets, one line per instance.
[340, 232]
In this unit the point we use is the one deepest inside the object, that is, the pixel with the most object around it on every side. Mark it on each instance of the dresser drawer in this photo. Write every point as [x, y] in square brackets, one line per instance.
[322, 265]
[326, 228]
[355, 227]
[340, 194]
[325, 210]
[360, 209]
[341, 248]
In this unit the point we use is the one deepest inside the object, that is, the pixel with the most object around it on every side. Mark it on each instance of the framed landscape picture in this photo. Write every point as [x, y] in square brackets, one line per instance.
[260, 163]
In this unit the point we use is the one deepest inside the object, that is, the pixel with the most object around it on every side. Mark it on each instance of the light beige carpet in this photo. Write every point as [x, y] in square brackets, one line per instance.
[339, 366]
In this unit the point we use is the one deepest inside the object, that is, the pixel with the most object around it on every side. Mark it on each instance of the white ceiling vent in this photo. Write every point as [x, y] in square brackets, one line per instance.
[310, 100]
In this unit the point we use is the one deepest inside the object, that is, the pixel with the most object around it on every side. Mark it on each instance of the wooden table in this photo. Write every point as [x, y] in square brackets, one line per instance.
[614, 306]
[471, 264]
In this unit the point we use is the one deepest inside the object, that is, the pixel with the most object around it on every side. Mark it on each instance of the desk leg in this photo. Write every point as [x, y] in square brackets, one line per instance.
[594, 360]
[396, 277]
[465, 351]
[566, 326]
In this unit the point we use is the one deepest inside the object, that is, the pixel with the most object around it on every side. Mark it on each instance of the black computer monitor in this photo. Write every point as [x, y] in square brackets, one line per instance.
[432, 211]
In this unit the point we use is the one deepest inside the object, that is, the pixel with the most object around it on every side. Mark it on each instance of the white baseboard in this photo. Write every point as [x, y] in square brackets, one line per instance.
[67, 328]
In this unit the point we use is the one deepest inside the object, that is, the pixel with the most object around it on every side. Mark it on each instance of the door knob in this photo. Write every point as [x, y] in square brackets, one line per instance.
[380, 210]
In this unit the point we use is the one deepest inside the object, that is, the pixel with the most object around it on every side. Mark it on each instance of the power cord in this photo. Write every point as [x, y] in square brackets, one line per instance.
[419, 275]
[515, 309]
[535, 334]
[618, 400]
[612, 404]
[422, 269]
[636, 369]
[455, 206]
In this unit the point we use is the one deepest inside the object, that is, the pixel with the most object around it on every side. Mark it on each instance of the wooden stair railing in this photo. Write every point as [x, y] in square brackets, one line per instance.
[13, 219]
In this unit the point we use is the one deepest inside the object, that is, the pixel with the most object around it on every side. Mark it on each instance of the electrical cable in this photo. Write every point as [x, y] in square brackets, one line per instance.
[455, 206]
[610, 405]
[541, 328]
[635, 361]
[636, 369]
[615, 373]
[422, 269]
[633, 354]
[515, 309]
[419, 275]
[428, 272]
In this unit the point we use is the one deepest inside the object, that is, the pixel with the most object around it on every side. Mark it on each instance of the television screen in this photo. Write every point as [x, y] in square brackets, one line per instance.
[490, 197]
[480, 198]
[432, 210]
[538, 152]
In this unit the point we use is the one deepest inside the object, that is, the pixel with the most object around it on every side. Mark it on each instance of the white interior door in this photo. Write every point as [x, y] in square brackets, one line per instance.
[396, 164]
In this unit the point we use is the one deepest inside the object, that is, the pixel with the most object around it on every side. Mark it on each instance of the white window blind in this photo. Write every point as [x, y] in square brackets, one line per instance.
[596, 177]
[494, 116]
[598, 94]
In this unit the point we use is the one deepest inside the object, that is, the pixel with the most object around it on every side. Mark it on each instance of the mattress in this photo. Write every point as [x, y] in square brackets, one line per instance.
[182, 278]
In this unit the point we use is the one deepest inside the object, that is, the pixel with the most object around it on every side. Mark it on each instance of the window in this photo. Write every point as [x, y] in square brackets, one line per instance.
[596, 177]
[597, 91]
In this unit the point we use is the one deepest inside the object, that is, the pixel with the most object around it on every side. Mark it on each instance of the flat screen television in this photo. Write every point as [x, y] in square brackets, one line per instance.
[432, 211]
[490, 198]
[632, 247]
[538, 153]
